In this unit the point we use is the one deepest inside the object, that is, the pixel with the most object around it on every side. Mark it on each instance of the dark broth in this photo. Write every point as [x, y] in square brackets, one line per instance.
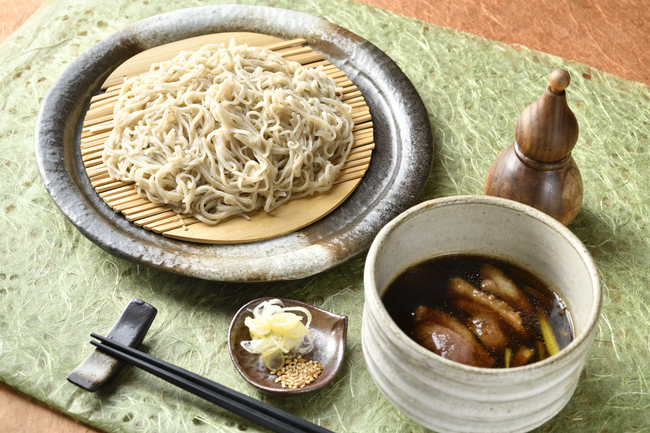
[426, 284]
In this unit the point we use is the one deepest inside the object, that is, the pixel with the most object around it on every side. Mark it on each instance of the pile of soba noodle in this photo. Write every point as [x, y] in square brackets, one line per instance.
[227, 130]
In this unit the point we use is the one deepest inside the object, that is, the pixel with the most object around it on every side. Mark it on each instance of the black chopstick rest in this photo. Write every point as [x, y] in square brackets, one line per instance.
[129, 330]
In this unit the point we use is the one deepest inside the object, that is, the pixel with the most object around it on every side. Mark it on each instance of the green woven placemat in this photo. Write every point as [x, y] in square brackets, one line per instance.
[56, 286]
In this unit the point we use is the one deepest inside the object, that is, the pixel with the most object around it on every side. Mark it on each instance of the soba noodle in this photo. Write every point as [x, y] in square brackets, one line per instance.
[224, 131]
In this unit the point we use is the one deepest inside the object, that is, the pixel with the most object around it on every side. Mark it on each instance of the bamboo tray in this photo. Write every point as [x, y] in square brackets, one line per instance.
[291, 216]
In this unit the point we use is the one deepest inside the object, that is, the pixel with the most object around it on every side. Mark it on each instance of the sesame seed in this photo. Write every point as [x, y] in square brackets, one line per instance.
[298, 373]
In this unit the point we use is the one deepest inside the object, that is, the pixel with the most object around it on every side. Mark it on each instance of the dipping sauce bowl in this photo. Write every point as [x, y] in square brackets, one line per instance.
[447, 396]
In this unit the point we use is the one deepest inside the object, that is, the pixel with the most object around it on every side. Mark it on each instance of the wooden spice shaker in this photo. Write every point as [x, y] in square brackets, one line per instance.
[538, 169]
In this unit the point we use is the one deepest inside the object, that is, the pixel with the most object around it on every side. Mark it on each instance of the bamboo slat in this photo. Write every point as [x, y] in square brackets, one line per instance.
[291, 216]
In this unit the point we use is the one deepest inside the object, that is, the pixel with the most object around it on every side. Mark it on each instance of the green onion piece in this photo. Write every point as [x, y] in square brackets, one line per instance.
[508, 356]
[547, 332]
[541, 351]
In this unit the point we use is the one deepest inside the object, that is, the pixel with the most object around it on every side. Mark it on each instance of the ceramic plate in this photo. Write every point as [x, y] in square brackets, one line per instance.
[398, 170]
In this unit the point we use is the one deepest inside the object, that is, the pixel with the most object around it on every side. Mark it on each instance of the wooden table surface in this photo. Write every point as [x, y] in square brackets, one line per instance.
[610, 35]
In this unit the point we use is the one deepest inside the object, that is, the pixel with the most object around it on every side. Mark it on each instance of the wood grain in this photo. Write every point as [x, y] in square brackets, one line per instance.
[20, 413]
[610, 35]
[15, 13]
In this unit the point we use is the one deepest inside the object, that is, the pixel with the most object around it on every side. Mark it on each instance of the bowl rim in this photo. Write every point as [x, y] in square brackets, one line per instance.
[373, 299]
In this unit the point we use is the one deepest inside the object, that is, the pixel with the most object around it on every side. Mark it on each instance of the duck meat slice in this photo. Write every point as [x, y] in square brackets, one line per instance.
[496, 282]
[512, 318]
[468, 351]
[522, 356]
[428, 314]
[485, 323]
[448, 344]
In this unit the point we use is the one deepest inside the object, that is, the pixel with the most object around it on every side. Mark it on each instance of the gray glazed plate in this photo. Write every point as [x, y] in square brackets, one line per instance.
[398, 170]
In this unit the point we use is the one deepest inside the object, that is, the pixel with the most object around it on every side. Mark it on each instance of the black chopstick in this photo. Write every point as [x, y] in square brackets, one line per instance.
[247, 407]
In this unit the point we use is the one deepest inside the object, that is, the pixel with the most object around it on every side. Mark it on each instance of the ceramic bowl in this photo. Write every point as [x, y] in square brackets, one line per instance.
[330, 334]
[446, 396]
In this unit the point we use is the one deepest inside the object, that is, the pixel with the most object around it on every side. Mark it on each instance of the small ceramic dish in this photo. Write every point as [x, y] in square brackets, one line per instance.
[329, 331]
